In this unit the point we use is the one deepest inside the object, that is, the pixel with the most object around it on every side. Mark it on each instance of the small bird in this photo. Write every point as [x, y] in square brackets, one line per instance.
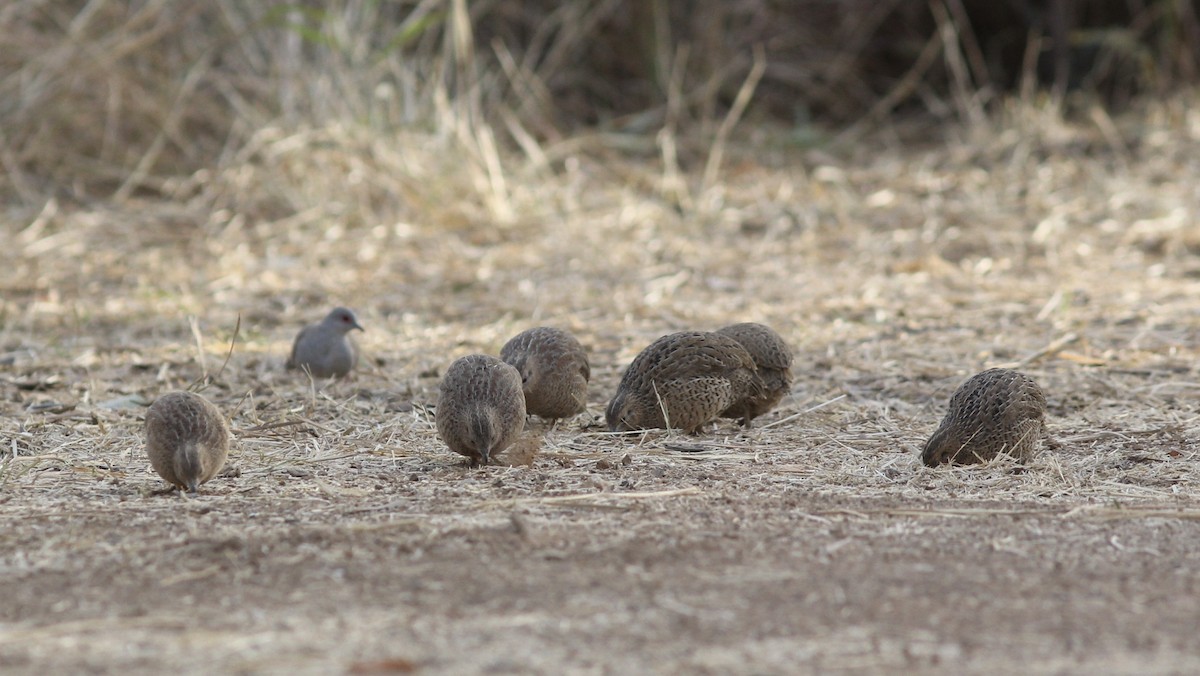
[554, 371]
[683, 381]
[996, 410]
[324, 349]
[481, 408]
[773, 358]
[187, 439]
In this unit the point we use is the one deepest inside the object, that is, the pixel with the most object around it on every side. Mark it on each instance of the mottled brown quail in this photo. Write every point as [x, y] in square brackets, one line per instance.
[998, 410]
[481, 408]
[683, 381]
[187, 439]
[772, 357]
[554, 371]
[325, 349]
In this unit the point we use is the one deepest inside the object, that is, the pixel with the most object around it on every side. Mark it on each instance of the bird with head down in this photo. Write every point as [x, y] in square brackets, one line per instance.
[996, 411]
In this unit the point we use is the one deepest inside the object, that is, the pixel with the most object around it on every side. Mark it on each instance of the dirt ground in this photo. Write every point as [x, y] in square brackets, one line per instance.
[345, 538]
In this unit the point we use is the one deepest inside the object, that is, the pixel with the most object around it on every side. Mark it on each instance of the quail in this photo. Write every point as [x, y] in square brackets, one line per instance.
[994, 411]
[554, 371]
[683, 381]
[187, 439]
[481, 408]
[772, 357]
[324, 349]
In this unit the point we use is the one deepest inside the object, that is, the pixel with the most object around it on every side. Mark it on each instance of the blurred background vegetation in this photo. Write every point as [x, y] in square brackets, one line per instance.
[118, 99]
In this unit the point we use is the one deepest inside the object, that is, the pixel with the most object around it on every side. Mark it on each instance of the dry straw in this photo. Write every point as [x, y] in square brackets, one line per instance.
[1065, 246]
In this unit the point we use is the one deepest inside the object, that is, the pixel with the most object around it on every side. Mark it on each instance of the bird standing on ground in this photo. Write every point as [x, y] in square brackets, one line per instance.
[998, 410]
[325, 349]
[772, 357]
[187, 439]
[554, 371]
[481, 408]
[683, 381]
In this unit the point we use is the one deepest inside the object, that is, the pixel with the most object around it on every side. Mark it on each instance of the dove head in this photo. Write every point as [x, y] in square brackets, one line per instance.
[343, 319]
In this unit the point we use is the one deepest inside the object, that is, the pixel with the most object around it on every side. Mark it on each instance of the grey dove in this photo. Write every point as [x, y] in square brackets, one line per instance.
[325, 349]
[683, 381]
[481, 408]
[773, 359]
[554, 371]
[998, 410]
[187, 439]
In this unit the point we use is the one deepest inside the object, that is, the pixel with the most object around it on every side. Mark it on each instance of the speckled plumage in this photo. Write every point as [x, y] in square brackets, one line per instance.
[998, 410]
[187, 439]
[325, 349]
[773, 358]
[481, 408]
[554, 371]
[683, 381]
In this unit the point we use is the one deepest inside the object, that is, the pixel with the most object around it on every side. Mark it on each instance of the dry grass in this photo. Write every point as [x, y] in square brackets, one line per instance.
[895, 271]
[152, 95]
[897, 261]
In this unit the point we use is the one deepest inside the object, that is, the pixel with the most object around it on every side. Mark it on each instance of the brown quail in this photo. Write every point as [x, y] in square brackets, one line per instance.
[324, 349]
[481, 408]
[994, 411]
[773, 358]
[554, 371]
[187, 439]
[683, 381]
